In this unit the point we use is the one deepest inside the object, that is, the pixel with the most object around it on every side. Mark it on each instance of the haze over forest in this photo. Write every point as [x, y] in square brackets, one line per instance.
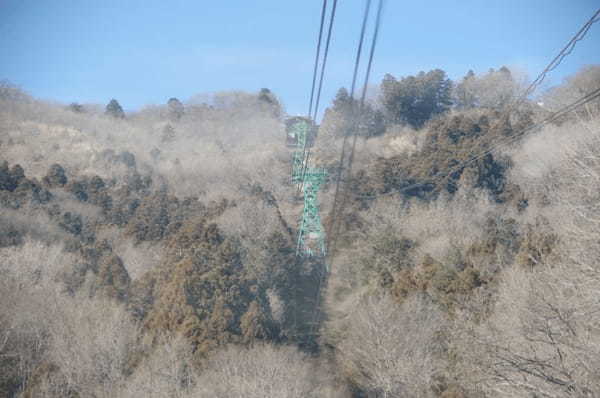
[153, 253]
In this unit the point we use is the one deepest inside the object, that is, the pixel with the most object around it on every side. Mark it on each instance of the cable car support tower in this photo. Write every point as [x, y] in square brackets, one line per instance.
[308, 180]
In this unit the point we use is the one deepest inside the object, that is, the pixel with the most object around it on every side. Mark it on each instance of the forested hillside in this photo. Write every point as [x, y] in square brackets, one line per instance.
[153, 253]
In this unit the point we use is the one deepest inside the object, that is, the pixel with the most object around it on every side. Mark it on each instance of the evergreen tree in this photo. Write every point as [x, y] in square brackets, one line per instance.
[114, 109]
[56, 176]
[367, 122]
[269, 101]
[176, 109]
[342, 102]
[76, 107]
[416, 99]
[372, 121]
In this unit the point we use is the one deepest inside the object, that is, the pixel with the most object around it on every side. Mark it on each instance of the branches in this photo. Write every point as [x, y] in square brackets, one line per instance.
[261, 371]
[393, 349]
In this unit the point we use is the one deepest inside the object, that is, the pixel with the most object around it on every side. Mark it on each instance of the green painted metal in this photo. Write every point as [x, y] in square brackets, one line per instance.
[297, 167]
[311, 235]
[298, 133]
[297, 136]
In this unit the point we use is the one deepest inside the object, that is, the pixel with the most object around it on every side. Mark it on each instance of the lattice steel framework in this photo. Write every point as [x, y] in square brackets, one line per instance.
[297, 136]
[311, 235]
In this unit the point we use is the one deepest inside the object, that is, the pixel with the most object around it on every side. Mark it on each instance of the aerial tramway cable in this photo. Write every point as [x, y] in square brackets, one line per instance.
[564, 52]
[567, 49]
[357, 61]
[305, 154]
[325, 53]
[497, 144]
[313, 117]
[317, 56]
[494, 145]
[337, 214]
[347, 132]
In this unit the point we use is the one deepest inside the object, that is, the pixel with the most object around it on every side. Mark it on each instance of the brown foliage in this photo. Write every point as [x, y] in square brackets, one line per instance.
[450, 140]
[206, 294]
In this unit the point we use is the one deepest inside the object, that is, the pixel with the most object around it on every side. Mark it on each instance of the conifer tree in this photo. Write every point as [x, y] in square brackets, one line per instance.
[114, 109]
[416, 99]
[269, 101]
[176, 109]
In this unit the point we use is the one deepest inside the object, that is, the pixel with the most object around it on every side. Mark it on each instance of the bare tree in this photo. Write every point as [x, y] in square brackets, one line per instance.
[28, 273]
[575, 87]
[393, 350]
[494, 89]
[543, 334]
[542, 338]
[91, 343]
[167, 371]
[261, 371]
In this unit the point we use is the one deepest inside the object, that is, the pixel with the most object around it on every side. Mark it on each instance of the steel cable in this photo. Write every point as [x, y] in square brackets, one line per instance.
[498, 144]
[317, 56]
[336, 215]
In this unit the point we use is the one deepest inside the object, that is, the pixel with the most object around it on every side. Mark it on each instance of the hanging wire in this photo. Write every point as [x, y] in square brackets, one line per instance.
[336, 215]
[317, 56]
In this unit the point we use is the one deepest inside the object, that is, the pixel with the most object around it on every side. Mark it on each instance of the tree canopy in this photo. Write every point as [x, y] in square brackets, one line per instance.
[114, 109]
[176, 109]
[416, 99]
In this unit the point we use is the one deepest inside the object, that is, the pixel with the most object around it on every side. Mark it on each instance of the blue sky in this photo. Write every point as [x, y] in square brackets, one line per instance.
[144, 52]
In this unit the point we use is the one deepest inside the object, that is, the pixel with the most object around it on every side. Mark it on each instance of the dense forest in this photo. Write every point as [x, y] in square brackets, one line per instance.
[153, 253]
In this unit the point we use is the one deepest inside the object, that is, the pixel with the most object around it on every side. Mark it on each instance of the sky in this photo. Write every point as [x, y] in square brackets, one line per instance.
[145, 52]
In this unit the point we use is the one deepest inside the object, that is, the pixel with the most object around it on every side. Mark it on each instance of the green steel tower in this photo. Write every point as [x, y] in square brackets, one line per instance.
[298, 132]
[311, 235]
